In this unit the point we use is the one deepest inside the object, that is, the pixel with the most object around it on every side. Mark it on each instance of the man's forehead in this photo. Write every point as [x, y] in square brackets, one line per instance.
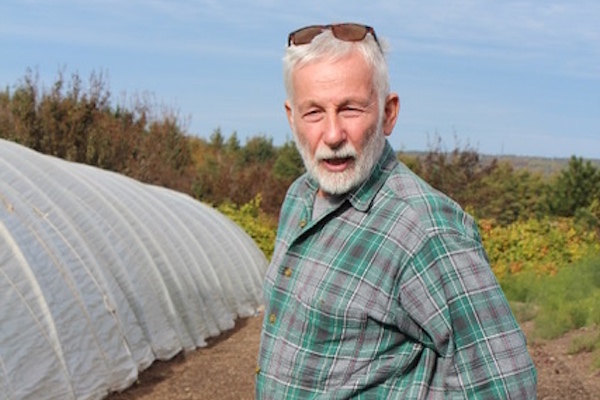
[328, 77]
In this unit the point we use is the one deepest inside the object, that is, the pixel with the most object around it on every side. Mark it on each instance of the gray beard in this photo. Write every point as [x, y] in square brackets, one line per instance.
[338, 183]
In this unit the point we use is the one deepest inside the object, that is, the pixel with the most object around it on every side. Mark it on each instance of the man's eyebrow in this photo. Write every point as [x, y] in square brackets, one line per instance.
[308, 104]
[364, 102]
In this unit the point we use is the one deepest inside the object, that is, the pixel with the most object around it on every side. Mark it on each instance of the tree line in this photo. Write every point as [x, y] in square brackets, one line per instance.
[78, 121]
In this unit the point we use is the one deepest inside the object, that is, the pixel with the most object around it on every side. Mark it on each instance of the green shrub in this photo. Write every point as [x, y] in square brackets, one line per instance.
[568, 300]
[259, 226]
[521, 288]
[523, 311]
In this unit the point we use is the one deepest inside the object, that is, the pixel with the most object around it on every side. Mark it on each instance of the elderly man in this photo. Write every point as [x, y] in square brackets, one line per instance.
[379, 287]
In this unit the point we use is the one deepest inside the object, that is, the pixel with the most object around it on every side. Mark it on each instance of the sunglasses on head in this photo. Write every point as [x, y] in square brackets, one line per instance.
[348, 32]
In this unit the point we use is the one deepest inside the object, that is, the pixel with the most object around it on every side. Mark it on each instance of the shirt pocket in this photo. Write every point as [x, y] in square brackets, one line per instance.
[330, 301]
[332, 337]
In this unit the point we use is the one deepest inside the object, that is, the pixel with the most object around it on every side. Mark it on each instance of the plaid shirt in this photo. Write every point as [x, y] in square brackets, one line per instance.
[389, 295]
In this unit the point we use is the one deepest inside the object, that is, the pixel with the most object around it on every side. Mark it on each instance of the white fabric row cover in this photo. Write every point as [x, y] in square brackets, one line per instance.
[100, 275]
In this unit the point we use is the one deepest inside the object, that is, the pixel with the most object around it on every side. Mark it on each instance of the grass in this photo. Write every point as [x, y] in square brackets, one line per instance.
[561, 303]
[587, 343]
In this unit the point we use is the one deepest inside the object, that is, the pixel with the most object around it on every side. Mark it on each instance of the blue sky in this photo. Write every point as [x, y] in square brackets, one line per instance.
[504, 77]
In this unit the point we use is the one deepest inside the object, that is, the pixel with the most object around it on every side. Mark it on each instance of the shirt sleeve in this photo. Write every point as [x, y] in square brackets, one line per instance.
[451, 293]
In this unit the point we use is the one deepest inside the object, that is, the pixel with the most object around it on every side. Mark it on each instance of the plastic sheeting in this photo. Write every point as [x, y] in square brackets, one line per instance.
[100, 275]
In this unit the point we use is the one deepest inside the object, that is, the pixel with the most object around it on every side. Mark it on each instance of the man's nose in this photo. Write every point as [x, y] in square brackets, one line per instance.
[335, 134]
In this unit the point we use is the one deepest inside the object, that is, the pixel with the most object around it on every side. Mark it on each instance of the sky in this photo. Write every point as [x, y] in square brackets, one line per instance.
[501, 77]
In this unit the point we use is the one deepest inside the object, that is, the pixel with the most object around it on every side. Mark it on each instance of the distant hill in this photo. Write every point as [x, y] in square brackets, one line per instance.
[546, 166]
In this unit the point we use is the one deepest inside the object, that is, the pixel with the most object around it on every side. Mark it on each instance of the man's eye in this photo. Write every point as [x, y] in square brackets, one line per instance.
[312, 115]
[351, 112]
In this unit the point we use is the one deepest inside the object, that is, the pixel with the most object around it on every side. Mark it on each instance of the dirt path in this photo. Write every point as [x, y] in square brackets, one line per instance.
[563, 376]
[225, 370]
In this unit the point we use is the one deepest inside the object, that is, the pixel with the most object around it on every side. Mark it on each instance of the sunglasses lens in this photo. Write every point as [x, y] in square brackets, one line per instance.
[349, 32]
[346, 32]
[305, 35]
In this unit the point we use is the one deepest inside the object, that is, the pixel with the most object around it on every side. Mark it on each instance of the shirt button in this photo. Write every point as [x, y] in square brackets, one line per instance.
[272, 318]
[287, 272]
[302, 223]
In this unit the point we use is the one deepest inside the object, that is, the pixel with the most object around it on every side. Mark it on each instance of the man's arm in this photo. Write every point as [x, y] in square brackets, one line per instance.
[450, 291]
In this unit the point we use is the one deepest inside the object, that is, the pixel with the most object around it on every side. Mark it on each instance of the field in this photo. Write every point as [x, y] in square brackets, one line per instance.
[225, 370]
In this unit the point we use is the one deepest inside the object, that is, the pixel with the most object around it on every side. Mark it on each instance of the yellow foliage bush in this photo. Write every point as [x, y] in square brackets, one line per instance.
[542, 246]
[261, 227]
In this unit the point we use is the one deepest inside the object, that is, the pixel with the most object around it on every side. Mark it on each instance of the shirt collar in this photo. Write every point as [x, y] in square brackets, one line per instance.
[362, 197]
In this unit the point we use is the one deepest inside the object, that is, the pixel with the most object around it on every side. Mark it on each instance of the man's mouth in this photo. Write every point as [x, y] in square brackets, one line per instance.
[337, 164]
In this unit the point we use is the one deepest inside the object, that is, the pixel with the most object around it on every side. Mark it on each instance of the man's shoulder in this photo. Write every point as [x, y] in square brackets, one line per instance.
[413, 197]
[407, 187]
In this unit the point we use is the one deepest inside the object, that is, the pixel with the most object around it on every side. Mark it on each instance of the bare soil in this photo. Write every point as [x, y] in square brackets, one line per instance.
[225, 370]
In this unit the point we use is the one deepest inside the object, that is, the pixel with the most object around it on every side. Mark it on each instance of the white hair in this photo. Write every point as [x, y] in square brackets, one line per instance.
[326, 46]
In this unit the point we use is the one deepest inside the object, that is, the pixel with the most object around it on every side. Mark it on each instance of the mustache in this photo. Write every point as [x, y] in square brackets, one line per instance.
[327, 153]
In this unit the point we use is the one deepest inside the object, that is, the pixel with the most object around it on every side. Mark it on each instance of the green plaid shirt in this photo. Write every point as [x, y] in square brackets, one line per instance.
[389, 295]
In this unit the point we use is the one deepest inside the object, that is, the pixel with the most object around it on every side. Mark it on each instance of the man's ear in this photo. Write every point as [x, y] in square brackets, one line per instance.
[290, 113]
[390, 113]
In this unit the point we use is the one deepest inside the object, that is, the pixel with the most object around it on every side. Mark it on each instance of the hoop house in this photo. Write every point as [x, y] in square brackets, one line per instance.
[100, 275]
